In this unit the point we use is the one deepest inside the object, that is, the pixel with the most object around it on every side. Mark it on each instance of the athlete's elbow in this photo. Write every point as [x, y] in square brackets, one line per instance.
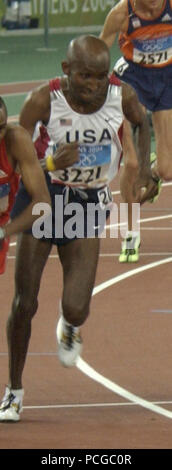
[131, 162]
[109, 40]
[41, 207]
[43, 197]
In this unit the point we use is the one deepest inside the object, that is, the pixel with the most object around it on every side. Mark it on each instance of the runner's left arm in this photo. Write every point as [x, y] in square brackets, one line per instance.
[24, 155]
[138, 121]
[116, 21]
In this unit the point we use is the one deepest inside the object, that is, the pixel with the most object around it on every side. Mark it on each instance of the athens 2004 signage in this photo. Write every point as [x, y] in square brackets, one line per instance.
[73, 13]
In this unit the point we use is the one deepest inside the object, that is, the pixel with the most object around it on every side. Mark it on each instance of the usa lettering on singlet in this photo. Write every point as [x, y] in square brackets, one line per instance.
[98, 135]
[148, 42]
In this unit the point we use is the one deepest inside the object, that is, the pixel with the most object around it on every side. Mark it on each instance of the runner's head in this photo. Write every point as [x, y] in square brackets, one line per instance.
[148, 4]
[87, 67]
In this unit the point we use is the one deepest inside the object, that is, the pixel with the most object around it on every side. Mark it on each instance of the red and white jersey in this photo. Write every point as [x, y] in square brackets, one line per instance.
[98, 134]
[7, 175]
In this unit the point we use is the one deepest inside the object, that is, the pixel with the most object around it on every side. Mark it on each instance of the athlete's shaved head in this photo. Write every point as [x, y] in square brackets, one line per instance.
[88, 49]
[87, 67]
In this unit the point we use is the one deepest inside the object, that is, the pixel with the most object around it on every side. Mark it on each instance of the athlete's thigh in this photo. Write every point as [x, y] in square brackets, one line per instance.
[79, 260]
[162, 123]
[31, 257]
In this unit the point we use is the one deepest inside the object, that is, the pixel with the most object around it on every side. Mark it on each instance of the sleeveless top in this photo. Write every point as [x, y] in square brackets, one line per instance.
[99, 136]
[148, 42]
[9, 181]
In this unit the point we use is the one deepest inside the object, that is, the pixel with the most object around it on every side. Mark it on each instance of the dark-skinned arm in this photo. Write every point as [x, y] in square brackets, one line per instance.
[36, 109]
[24, 157]
[136, 116]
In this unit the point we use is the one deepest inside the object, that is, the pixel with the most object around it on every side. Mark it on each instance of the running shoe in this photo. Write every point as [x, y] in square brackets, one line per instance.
[130, 250]
[69, 343]
[11, 406]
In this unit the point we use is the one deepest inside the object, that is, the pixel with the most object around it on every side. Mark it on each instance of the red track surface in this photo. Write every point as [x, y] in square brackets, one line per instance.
[124, 340]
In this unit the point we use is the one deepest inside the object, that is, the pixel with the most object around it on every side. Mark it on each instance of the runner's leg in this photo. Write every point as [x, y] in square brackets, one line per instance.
[162, 123]
[31, 257]
[79, 260]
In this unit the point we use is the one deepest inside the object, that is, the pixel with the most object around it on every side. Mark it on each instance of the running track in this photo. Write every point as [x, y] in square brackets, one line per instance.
[120, 394]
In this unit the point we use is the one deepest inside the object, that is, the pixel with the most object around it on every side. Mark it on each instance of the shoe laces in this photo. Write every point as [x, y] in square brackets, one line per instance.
[69, 336]
[6, 402]
[130, 245]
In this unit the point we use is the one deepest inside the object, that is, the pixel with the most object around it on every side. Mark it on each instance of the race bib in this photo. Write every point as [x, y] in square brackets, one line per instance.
[92, 166]
[105, 197]
[153, 52]
[120, 66]
[153, 58]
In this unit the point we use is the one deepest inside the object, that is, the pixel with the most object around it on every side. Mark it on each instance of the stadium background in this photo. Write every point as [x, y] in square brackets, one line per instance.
[36, 54]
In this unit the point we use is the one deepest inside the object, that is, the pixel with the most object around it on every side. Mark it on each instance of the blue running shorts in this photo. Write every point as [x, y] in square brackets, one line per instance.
[73, 214]
[153, 85]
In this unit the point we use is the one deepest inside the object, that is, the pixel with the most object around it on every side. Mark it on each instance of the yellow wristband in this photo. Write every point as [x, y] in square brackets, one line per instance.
[50, 166]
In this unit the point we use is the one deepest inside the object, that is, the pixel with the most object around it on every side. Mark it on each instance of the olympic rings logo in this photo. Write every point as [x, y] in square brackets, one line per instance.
[87, 160]
[153, 45]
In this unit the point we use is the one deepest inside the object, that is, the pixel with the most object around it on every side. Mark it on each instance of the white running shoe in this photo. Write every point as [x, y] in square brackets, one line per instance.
[11, 406]
[70, 343]
[130, 249]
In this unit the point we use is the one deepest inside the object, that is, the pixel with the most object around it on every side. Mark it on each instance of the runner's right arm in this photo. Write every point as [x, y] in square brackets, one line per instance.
[37, 108]
[115, 22]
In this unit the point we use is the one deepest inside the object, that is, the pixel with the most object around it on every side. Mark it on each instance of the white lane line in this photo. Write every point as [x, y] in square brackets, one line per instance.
[114, 193]
[104, 255]
[127, 274]
[160, 217]
[88, 405]
[169, 183]
[17, 93]
[148, 219]
[111, 255]
[93, 374]
[144, 229]
[90, 372]
[161, 311]
[108, 255]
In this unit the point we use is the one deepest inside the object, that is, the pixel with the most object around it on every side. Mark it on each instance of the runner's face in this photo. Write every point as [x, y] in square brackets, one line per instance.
[3, 123]
[88, 83]
[149, 4]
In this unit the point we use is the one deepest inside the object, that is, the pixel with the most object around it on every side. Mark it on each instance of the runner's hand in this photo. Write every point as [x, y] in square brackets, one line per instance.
[66, 155]
[147, 188]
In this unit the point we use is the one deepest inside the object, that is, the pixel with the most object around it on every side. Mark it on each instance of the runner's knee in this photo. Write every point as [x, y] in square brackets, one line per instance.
[165, 170]
[24, 307]
[75, 312]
